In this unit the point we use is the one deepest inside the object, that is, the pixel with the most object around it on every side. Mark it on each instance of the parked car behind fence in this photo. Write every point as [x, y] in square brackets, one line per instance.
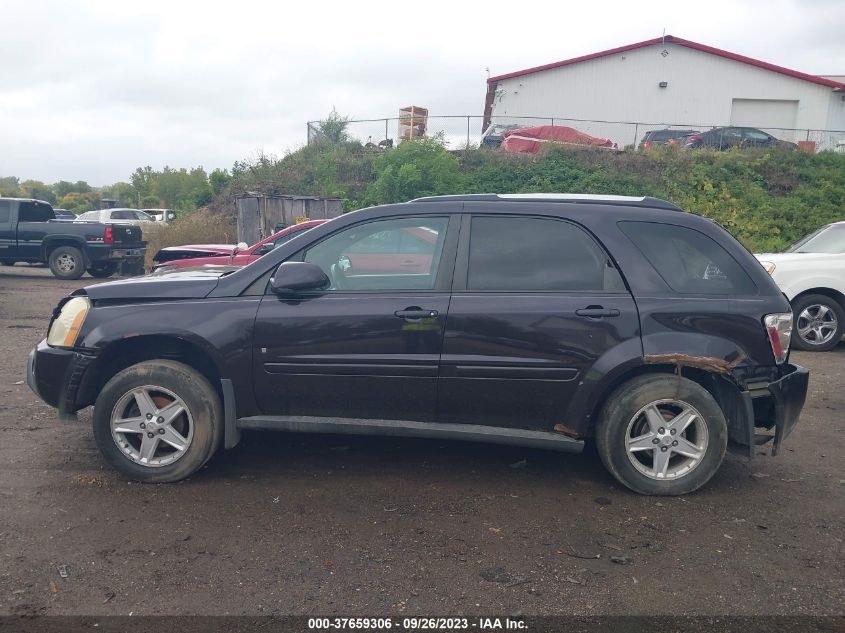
[665, 137]
[721, 138]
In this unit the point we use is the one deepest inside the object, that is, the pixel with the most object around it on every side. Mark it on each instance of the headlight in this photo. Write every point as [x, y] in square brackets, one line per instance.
[65, 327]
[769, 266]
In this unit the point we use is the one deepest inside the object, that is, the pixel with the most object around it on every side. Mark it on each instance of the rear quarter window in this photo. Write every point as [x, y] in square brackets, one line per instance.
[34, 212]
[689, 261]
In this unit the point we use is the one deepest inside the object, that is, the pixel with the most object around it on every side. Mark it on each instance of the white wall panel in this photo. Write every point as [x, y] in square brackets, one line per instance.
[700, 91]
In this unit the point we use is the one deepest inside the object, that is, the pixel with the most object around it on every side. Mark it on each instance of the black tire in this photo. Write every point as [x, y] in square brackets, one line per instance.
[619, 412]
[67, 262]
[835, 311]
[132, 268]
[101, 270]
[200, 400]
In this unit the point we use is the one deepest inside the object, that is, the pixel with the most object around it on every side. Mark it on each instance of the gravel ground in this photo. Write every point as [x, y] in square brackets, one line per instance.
[297, 524]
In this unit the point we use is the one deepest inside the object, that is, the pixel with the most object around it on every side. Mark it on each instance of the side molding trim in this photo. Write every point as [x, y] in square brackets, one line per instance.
[411, 428]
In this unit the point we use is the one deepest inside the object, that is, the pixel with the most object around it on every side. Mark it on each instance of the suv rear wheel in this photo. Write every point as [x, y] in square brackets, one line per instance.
[158, 421]
[662, 435]
[819, 322]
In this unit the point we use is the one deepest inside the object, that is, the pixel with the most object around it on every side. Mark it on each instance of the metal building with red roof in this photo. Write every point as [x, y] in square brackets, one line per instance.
[670, 82]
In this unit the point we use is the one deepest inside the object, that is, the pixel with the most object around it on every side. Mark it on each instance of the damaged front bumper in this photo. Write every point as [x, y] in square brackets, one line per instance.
[54, 375]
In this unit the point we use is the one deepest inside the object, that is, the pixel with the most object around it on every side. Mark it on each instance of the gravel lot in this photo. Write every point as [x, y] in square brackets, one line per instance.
[296, 524]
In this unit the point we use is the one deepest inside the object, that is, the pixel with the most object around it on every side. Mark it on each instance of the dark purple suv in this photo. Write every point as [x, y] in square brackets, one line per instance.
[536, 320]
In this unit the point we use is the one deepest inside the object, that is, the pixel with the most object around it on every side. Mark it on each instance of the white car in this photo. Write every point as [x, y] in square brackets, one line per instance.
[116, 216]
[122, 216]
[811, 274]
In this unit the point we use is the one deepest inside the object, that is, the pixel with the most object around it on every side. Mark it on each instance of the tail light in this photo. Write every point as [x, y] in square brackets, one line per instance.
[108, 238]
[779, 329]
[694, 138]
[646, 144]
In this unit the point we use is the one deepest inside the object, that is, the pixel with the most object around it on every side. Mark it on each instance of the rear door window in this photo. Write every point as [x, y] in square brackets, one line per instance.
[536, 255]
[689, 261]
[34, 212]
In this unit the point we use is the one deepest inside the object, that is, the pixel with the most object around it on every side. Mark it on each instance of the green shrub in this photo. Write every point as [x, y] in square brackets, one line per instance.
[767, 198]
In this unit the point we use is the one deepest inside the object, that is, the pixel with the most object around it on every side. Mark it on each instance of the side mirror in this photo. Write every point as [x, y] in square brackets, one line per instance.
[291, 278]
[241, 246]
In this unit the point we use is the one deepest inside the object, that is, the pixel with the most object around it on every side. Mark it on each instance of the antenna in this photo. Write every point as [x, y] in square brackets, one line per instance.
[664, 35]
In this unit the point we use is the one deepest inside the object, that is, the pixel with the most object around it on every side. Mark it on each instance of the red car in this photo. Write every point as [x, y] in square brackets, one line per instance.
[191, 255]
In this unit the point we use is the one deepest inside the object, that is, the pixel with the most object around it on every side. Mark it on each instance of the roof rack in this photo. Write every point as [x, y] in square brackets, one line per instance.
[628, 201]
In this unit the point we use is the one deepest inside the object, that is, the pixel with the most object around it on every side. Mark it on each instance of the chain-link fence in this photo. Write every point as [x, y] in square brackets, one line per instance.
[461, 131]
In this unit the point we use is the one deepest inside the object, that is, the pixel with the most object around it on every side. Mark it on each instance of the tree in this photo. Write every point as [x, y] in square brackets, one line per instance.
[10, 187]
[79, 202]
[333, 128]
[38, 190]
[63, 187]
[142, 180]
[123, 192]
[201, 197]
[219, 179]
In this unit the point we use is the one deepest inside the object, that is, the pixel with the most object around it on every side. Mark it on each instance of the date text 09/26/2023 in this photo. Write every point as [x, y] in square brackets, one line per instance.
[418, 624]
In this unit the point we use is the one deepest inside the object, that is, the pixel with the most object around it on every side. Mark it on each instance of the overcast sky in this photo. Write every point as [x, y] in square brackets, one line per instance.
[92, 90]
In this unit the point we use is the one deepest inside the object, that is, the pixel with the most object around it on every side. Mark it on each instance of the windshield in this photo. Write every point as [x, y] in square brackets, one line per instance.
[828, 239]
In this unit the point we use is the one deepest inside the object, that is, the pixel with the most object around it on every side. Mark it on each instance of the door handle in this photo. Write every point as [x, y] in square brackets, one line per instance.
[597, 312]
[415, 313]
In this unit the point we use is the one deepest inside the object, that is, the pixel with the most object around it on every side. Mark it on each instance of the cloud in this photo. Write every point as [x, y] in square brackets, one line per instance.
[92, 90]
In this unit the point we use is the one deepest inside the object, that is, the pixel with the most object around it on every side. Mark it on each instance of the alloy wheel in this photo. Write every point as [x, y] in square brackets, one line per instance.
[816, 324]
[152, 426]
[666, 439]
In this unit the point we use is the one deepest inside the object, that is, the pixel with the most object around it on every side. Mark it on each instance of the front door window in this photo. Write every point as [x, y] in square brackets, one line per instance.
[395, 254]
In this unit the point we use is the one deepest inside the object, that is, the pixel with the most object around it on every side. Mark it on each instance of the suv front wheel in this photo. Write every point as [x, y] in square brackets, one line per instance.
[662, 435]
[158, 421]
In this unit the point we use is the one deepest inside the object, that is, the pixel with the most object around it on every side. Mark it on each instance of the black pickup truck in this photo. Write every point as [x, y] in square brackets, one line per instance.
[29, 232]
